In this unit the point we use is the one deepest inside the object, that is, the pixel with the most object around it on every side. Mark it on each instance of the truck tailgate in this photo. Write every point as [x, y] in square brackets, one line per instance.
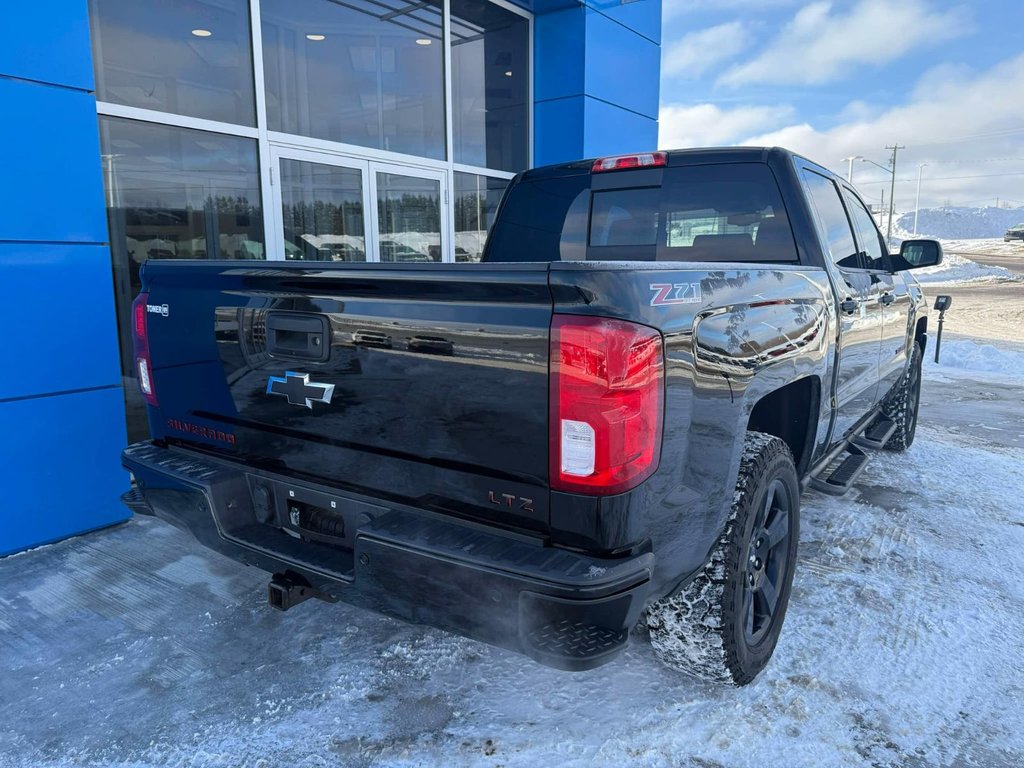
[426, 383]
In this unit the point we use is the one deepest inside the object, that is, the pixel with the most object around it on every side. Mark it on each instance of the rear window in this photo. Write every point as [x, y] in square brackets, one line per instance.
[726, 212]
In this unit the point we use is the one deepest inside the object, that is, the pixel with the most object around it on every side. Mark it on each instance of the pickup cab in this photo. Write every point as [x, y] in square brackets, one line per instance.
[606, 425]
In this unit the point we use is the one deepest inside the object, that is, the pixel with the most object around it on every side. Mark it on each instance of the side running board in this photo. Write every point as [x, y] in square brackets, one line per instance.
[839, 475]
[877, 433]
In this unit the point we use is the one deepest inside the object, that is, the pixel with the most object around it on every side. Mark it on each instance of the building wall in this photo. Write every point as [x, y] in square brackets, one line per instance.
[61, 403]
[596, 78]
[62, 417]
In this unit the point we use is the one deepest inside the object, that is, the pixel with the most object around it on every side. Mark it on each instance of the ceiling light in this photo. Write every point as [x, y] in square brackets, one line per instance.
[316, 38]
[509, 73]
[422, 41]
[202, 32]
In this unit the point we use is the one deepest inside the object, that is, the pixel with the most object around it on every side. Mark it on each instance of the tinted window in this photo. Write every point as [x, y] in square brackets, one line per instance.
[368, 73]
[187, 58]
[830, 216]
[625, 217]
[867, 233]
[542, 219]
[726, 212]
[490, 85]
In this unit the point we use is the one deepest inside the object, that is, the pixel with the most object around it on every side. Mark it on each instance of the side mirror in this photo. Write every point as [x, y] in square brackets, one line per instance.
[917, 254]
[943, 302]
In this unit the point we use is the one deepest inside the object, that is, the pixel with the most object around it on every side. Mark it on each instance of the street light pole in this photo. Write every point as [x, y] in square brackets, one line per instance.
[849, 166]
[917, 203]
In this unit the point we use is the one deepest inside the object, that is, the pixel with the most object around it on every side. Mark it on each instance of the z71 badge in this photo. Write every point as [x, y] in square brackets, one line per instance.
[675, 293]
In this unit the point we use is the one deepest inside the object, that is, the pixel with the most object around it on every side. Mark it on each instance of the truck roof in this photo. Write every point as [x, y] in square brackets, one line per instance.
[676, 157]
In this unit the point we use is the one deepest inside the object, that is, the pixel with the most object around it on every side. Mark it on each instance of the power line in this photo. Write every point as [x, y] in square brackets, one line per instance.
[942, 178]
[972, 136]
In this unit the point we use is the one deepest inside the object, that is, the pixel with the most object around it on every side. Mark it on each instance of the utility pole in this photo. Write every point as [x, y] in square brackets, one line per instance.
[917, 205]
[892, 189]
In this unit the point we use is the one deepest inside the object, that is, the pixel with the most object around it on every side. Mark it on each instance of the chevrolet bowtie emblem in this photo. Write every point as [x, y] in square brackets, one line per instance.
[299, 389]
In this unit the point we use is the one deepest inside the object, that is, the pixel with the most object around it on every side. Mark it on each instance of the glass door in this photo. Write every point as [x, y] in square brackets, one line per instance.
[321, 207]
[410, 217]
[333, 208]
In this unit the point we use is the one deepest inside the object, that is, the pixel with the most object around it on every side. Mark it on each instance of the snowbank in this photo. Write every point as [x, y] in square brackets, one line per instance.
[961, 221]
[975, 356]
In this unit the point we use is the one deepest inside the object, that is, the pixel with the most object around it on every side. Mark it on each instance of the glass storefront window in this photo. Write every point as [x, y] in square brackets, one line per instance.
[408, 218]
[174, 193]
[364, 72]
[322, 212]
[476, 201]
[490, 85]
[189, 58]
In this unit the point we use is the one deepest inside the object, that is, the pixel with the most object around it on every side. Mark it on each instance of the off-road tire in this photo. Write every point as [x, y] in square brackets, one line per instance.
[902, 404]
[700, 629]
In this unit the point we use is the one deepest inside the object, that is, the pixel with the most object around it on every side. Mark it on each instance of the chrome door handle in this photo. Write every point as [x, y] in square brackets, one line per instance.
[849, 306]
[887, 299]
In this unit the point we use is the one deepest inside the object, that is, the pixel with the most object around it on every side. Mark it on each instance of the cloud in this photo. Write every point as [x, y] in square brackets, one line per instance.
[960, 123]
[820, 45]
[699, 51]
[671, 9]
[706, 125]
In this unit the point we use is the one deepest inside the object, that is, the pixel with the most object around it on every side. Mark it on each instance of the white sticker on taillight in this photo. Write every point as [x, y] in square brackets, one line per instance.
[144, 383]
[578, 449]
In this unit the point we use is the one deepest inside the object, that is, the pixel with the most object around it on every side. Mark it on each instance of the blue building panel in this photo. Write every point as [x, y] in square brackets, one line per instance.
[558, 130]
[621, 65]
[53, 184]
[47, 41]
[641, 16]
[61, 460]
[612, 130]
[596, 79]
[559, 45]
[73, 344]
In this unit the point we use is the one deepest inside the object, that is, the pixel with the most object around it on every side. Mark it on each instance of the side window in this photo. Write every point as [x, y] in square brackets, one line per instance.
[870, 238]
[833, 224]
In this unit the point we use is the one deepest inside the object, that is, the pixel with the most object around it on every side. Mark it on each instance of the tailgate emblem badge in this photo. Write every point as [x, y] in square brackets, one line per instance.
[299, 389]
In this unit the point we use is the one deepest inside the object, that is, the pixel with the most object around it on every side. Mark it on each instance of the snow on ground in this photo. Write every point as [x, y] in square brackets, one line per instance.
[979, 357]
[902, 647]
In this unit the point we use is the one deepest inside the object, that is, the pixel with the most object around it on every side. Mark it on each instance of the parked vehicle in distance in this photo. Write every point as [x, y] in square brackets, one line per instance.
[609, 420]
[1014, 233]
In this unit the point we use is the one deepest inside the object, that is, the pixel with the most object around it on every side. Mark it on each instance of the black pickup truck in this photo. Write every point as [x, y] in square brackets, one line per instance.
[608, 422]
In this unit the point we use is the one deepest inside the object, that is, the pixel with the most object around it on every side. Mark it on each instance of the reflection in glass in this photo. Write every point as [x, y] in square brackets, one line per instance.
[190, 58]
[490, 85]
[322, 211]
[409, 218]
[365, 72]
[476, 201]
[174, 193]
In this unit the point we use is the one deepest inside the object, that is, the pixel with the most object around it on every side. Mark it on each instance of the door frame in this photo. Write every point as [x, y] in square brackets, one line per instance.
[446, 221]
[368, 169]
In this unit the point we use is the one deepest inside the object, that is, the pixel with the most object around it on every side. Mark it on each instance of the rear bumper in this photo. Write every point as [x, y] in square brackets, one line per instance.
[564, 609]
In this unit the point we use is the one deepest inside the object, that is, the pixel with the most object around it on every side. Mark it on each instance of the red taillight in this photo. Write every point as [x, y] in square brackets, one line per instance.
[607, 380]
[143, 366]
[642, 160]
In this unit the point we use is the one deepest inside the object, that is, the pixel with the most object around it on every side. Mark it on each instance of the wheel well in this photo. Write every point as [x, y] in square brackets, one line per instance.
[921, 333]
[791, 414]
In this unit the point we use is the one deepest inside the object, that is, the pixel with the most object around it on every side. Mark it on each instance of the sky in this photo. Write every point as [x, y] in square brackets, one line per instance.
[841, 78]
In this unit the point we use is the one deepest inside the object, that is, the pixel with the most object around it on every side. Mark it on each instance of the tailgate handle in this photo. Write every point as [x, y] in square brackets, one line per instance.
[298, 336]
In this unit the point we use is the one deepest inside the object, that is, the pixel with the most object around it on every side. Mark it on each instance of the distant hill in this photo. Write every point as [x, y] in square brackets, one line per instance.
[960, 222]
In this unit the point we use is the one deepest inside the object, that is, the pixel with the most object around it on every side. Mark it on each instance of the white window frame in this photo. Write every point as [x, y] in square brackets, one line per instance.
[269, 142]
